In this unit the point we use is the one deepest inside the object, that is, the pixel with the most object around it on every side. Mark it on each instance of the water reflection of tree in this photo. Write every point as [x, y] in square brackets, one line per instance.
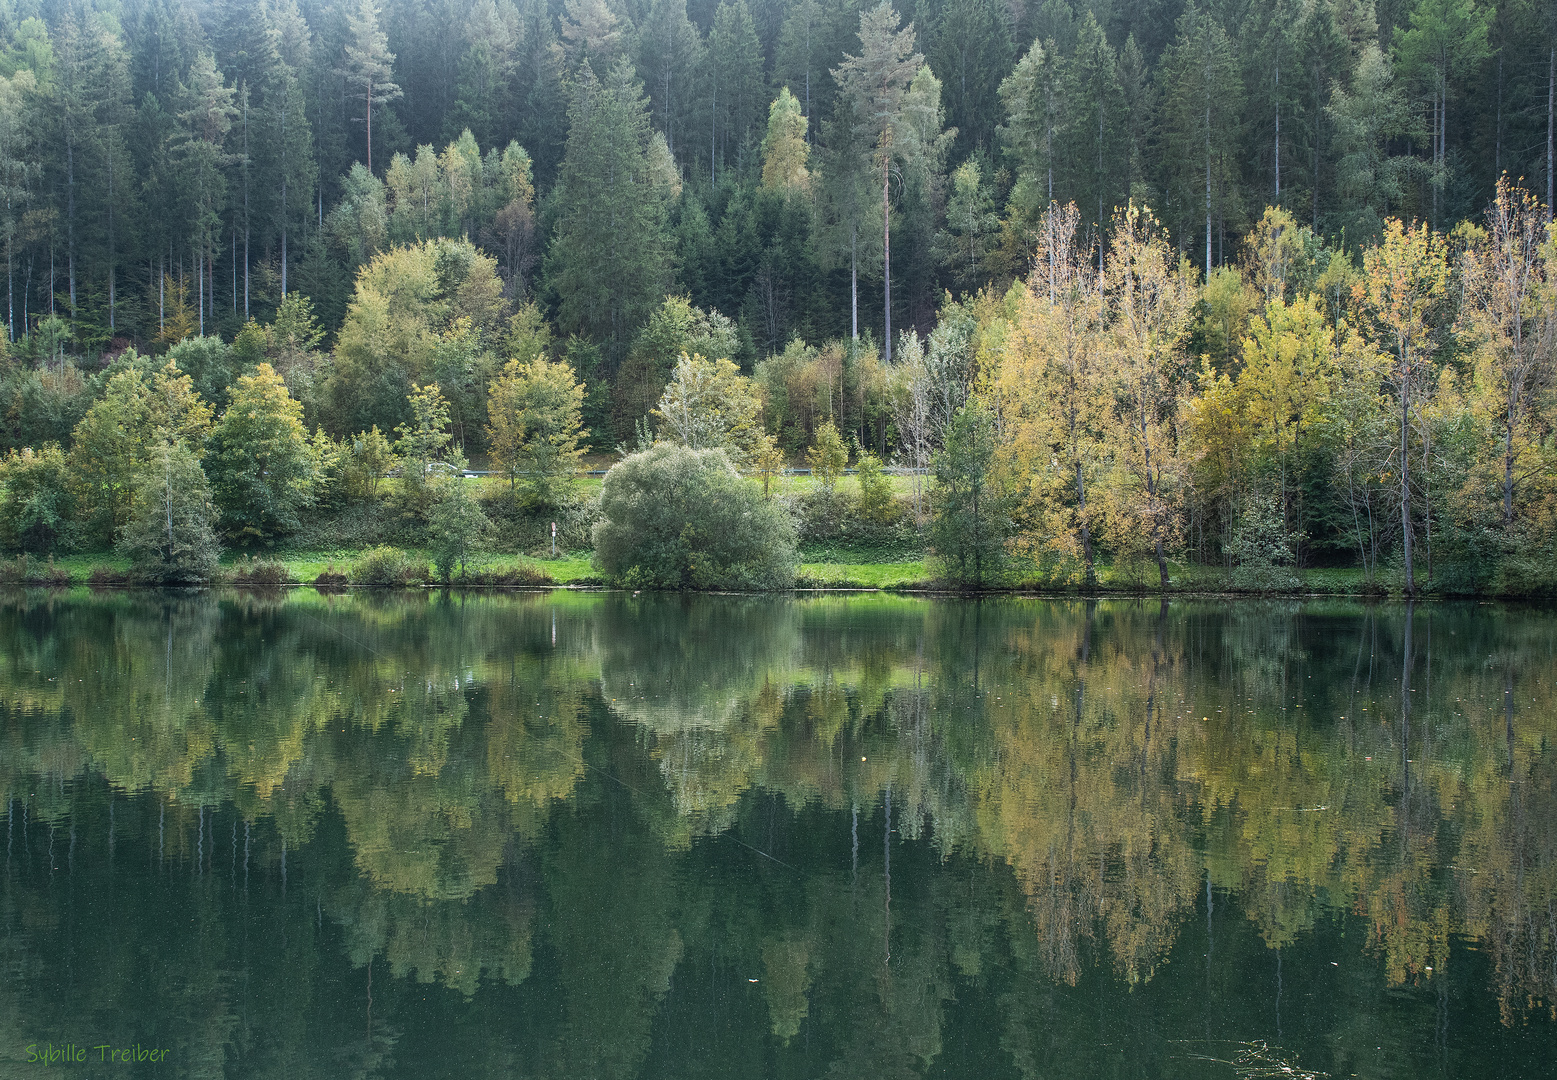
[1115, 756]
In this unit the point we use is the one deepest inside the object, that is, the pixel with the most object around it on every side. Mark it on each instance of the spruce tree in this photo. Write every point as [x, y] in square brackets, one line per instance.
[1203, 108]
[608, 256]
[873, 86]
[367, 65]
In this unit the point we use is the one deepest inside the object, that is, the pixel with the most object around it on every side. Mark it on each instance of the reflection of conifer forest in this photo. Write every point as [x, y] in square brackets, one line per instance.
[1261, 284]
[1012, 837]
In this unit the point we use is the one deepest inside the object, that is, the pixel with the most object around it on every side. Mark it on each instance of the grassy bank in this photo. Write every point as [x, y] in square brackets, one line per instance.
[822, 566]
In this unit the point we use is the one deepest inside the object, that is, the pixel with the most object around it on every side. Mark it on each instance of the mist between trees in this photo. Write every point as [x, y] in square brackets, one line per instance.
[1311, 343]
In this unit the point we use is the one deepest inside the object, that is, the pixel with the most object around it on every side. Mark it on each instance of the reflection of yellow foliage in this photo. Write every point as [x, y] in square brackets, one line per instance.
[1117, 757]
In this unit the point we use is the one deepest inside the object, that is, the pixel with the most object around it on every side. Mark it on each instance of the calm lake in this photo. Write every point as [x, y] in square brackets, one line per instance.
[576, 835]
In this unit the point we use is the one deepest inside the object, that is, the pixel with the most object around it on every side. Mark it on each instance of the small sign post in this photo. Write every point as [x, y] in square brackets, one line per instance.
[554, 539]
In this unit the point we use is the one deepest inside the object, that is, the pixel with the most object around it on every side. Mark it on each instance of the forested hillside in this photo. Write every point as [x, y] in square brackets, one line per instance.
[608, 153]
[1214, 278]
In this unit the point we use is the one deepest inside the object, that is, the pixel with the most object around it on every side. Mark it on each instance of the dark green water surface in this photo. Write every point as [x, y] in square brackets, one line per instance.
[605, 836]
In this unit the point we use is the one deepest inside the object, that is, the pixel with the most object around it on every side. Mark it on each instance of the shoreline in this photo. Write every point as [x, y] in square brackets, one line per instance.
[846, 571]
[925, 592]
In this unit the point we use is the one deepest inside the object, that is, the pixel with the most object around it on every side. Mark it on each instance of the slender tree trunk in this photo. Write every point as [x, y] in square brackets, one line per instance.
[1551, 99]
[1208, 190]
[1405, 471]
[1048, 142]
[886, 251]
[112, 280]
[1151, 502]
[1427, 497]
[246, 205]
[370, 123]
[854, 282]
[285, 175]
[1405, 698]
[1508, 469]
[1278, 134]
[1081, 517]
[810, 127]
[70, 214]
[1313, 153]
[1497, 153]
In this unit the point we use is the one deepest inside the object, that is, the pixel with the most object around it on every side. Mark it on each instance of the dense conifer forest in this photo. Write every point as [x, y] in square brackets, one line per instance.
[1250, 282]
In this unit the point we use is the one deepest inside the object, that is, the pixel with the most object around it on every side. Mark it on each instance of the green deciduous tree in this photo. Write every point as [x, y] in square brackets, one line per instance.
[784, 147]
[367, 458]
[262, 467]
[971, 500]
[170, 537]
[827, 456]
[424, 440]
[709, 404]
[535, 426]
[423, 313]
[457, 525]
[37, 501]
[109, 445]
